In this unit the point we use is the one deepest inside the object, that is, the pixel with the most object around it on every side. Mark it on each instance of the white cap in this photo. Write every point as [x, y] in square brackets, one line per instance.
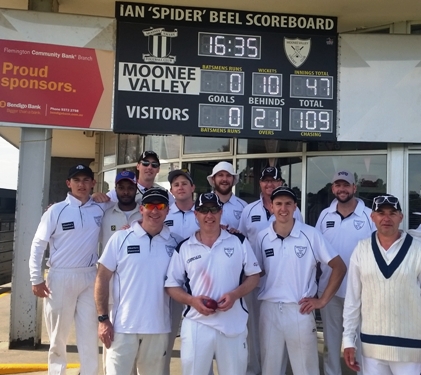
[223, 166]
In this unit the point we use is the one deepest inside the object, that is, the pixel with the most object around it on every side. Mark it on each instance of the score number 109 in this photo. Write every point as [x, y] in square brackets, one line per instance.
[313, 120]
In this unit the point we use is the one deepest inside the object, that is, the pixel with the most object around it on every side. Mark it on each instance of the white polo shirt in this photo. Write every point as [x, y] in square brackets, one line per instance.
[114, 219]
[72, 231]
[291, 263]
[140, 264]
[213, 272]
[181, 222]
[343, 234]
[231, 211]
[256, 217]
[139, 194]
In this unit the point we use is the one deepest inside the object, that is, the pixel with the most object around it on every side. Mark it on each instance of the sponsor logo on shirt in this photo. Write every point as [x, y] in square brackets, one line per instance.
[330, 224]
[194, 258]
[300, 251]
[170, 250]
[133, 249]
[358, 224]
[237, 214]
[269, 253]
[113, 228]
[169, 223]
[255, 218]
[98, 220]
[229, 251]
[68, 226]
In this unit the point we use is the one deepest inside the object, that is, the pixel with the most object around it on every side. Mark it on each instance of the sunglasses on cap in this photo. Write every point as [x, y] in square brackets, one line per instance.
[147, 163]
[206, 210]
[382, 199]
[152, 206]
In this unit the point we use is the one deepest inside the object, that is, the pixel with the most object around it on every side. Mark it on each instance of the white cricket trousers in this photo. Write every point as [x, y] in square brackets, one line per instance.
[332, 317]
[372, 366]
[176, 312]
[71, 298]
[199, 343]
[282, 327]
[147, 352]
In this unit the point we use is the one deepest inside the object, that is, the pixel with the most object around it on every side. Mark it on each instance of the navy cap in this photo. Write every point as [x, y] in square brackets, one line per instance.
[148, 154]
[80, 169]
[179, 172]
[210, 198]
[126, 175]
[283, 190]
[155, 195]
[270, 172]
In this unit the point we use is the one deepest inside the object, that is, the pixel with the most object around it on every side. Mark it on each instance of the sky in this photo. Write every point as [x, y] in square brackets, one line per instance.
[8, 165]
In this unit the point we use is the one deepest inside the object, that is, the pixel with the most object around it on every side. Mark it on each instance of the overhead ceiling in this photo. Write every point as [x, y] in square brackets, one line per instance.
[352, 15]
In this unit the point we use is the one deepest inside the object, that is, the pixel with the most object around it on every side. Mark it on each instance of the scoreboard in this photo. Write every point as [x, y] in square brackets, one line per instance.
[224, 73]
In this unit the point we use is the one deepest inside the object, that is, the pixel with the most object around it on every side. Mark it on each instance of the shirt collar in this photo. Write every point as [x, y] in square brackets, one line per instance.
[73, 201]
[295, 231]
[174, 208]
[140, 232]
[359, 209]
[118, 209]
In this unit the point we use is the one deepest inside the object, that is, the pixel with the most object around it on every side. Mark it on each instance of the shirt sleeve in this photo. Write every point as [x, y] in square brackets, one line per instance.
[324, 250]
[297, 215]
[38, 246]
[109, 255]
[242, 226]
[176, 271]
[250, 263]
[352, 304]
[113, 195]
[258, 251]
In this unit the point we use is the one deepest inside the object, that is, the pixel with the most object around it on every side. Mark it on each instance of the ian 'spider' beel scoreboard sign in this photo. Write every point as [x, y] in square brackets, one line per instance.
[200, 71]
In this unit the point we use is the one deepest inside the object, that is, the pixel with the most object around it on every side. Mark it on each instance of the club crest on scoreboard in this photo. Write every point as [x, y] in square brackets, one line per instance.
[297, 50]
[159, 45]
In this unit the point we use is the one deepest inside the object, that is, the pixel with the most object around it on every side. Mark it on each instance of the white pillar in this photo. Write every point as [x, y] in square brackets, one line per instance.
[32, 199]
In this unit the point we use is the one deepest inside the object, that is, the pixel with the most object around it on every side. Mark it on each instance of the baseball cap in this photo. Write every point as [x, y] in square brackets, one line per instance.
[345, 176]
[283, 190]
[386, 200]
[223, 166]
[155, 195]
[271, 172]
[126, 175]
[148, 154]
[210, 198]
[179, 172]
[80, 169]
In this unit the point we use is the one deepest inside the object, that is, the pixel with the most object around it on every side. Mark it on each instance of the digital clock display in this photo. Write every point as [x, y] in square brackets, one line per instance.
[212, 72]
[229, 45]
[311, 120]
[217, 82]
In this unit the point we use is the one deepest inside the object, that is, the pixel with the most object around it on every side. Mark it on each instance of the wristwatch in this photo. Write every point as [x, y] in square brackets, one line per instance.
[103, 318]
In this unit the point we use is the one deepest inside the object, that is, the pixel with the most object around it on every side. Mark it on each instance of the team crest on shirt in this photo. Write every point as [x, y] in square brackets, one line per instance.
[170, 250]
[358, 224]
[237, 214]
[98, 220]
[229, 251]
[300, 251]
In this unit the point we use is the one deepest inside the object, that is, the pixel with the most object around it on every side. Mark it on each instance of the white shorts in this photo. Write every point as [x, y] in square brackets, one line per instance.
[372, 366]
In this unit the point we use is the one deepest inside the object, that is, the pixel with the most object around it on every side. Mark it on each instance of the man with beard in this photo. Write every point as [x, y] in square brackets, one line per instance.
[222, 180]
[257, 216]
[346, 221]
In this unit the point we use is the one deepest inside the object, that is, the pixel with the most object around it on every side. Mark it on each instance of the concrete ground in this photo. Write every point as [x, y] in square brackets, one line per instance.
[39, 356]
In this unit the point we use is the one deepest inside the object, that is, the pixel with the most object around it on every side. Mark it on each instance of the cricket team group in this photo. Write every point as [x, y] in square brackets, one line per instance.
[244, 280]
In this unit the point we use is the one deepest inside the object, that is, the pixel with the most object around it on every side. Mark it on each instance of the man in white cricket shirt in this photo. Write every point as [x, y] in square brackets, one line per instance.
[383, 295]
[71, 228]
[288, 252]
[213, 264]
[222, 180]
[255, 217]
[137, 258]
[346, 221]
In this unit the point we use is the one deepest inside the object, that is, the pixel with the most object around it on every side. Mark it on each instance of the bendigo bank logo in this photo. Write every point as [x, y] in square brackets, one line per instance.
[159, 45]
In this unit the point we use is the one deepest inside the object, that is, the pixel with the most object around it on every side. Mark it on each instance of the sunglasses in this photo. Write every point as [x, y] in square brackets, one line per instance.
[206, 210]
[147, 163]
[152, 206]
[393, 201]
